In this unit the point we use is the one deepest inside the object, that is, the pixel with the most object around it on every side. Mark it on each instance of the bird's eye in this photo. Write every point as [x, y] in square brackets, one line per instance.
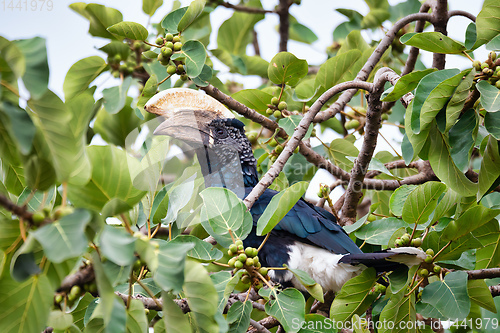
[220, 132]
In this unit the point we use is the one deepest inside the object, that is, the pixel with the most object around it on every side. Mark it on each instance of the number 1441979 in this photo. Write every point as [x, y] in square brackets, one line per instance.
[27, 5]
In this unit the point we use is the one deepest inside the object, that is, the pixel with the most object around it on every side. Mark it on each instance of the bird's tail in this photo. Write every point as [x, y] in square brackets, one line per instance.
[387, 260]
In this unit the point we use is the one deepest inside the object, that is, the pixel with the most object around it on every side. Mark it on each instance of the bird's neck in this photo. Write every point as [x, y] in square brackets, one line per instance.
[228, 169]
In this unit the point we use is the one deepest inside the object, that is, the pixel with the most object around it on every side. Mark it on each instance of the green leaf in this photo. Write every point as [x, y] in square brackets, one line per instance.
[379, 232]
[487, 22]
[462, 138]
[400, 312]
[115, 97]
[338, 150]
[421, 202]
[21, 127]
[136, 317]
[110, 180]
[171, 22]
[399, 197]
[405, 84]
[25, 307]
[492, 124]
[224, 284]
[457, 101]
[288, 307]
[224, 211]
[480, 294]
[194, 10]
[81, 74]
[279, 206]
[331, 72]
[280, 183]
[14, 59]
[254, 99]
[375, 18]
[238, 316]
[488, 255]
[470, 36]
[359, 223]
[150, 6]
[354, 297]
[301, 33]
[175, 321]
[437, 100]
[311, 286]
[65, 238]
[36, 76]
[117, 245]
[494, 44]
[479, 214]
[202, 250]
[100, 17]
[490, 96]
[236, 32]
[130, 30]
[445, 169]
[490, 167]
[285, 68]
[177, 198]
[202, 297]
[118, 47]
[450, 296]
[195, 54]
[290, 123]
[433, 41]
[424, 89]
[205, 76]
[449, 199]
[305, 90]
[114, 128]
[59, 320]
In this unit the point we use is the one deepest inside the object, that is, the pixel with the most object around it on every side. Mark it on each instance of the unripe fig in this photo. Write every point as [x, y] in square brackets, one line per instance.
[184, 77]
[428, 259]
[430, 252]
[238, 264]
[249, 252]
[497, 84]
[484, 65]
[75, 291]
[437, 269]
[263, 271]
[296, 150]
[249, 262]
[423, 273]
[277, 114]
[38, 218]
[170, 45]
[242, 257]
[177, 46]
[275, 101]
[159, 41]
[245, 279]
[233, 248]
[351, 113]
[371, 218]
[385, 116]
[416, 242]
[166, 51]
[352, 124]
[58, 298]
[231, 262]
[282, 105]
[137, 45]
[279, 149]
[492, 55]
[477, 65]
[240, 247]
[169, 37]
[171, 69]
[405, 239]
[176, 39]
[269, 111]
[230, 253]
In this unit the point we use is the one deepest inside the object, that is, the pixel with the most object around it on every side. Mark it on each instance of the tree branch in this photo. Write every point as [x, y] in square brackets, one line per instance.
[452, 13]
[84, 275]
[414, 51]
[284, 24]
[17, 210]
[495, 290]
[440, 21]
[267, 322]
[370, 65]
[245, 9]
[258, 327]
[297, 136]
[486, 273]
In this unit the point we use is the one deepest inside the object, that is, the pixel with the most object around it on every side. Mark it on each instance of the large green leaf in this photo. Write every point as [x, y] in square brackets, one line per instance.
[424, 89]
[479, 214]
[301, 33]
[288, 307]
[81, 74]
[150, 6]
[379, 232]
[236, 32]
[338, 150]
[331, 72]
[438, 99]
[462, 138]
[25, 306]
[492, 124]
[433, 41]
[36, 76]
[490, 96]
[201, 296]
[117, 245]
[194, 10]
[457, 101]
[490, 167]
[398, 198]
[422, 201]
[115, 97]
[224, 211]
[238, 316]
[14, 60]
[9, 232]
[136, 317]
[488, 255]
[195, 54]
[399, 311]
[290, 123]
[175, 321]
[66, 144]
[114, 128]
[171, 21]
[20, 128]
[202, 250]
[65, 238]
[224, 284]
[487, 22]
[480, 294]
[254, 99]
[279, 206]
[311, 286]
[110, 181]
[99, 16]
[445, 169]
[285, 68]
[354, 297]
[130, 30]
[405, 84]
[449, 296]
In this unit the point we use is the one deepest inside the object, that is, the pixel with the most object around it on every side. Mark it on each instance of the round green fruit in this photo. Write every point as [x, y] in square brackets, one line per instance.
[269, 111]
[245, 279]
[238, 264]
[180, 68]
[296, 150]
[242, 257]
[263, 271]
[282, 105]
[38, 218]
[177, 46]
[240, 247]
[184, 77]
[385, 116]
[423, 273]
[169, 37]
[497, 84]
[249, 252]
[277, 114]
[371, 218]
[273, 142]
[484, 65]
[58, 298]
[249, 262]
[279, 149]
[405, 239]
[428, 259]
[416, 242]
[233, 248]
[352, 124]
[159, 41]
[230, 253]
[93, 288]
[437, 269]
[231, 262]
[398, 242]
[166, 51]
[171, 70]
[275, 101]
[492, 55]
[137, 45]
[170, 45]
[430, 252]
[76, 291]
[477, 65]
[176, 39]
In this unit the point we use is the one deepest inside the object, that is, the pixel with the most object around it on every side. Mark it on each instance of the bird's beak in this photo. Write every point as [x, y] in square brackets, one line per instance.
[187, 114]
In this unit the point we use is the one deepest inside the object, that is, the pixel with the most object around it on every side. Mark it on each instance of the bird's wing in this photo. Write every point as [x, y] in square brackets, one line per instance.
[310, 223]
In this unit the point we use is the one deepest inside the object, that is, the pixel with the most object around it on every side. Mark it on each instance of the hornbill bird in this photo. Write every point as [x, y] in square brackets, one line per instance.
[308, 237]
